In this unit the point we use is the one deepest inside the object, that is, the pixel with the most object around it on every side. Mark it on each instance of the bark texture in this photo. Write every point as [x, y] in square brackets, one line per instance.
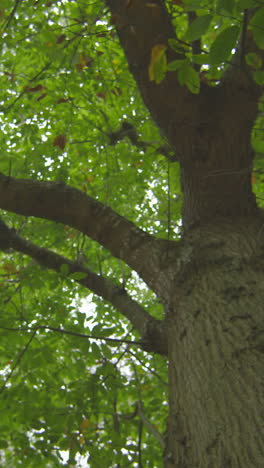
[215, 303]
[216, 345]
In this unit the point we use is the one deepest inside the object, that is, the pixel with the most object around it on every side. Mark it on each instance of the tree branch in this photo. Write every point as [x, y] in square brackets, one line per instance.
[20, 356]
[127, 130]
[11, 16]
[153, 333]
[61, 203]
[152, 429]
[182, 116]
[62, 331]
[142, 24]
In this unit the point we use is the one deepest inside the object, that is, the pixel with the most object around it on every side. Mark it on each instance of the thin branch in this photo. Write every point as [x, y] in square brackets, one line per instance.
[243, 38]
[71, 333]
[127, 130]
[152, 429]
[25, 90]
[140, 412]
[21, 354]
[149, 369]
[139, 445]
[12, 14]
[169, 201]
[152, 330]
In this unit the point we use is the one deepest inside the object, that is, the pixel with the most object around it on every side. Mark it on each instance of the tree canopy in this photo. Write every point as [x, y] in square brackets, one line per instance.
[89, 185]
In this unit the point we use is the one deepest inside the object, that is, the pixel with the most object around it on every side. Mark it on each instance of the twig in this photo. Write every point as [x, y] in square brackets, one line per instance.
[149, 425]
[3, 108]
[68, 332]
[153, 372]
[11, 16]
[140, 434]
[243, 38]
[21, 354]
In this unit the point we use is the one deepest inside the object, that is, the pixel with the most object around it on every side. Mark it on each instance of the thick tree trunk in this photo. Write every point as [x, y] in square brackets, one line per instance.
[216, 345]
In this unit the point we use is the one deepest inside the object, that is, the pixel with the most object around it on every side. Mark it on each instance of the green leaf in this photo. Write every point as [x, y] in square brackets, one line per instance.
[257, 26]
[259, 77]
[226, 5]
[254, 60]
[201, 59]
[64, 443]
[78, 275]
[192, 4]
[198, 27]
[244, 4]
[64, 269]
[175, 65]
[3, 444]
[222, 46]
[108, 331]
[96, 352]
[106, 351]
[178, 46]
[188, 76]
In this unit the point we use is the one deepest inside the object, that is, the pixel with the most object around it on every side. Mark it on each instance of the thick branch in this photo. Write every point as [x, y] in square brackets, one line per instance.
[67, 205]
[142, 24]
[190, 122]
[152, 330]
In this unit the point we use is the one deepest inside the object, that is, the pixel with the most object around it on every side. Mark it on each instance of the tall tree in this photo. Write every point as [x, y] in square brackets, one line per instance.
[129, 239]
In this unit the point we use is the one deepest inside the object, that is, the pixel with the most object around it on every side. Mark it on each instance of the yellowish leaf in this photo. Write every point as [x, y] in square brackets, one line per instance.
[158, 63]
[253, 178]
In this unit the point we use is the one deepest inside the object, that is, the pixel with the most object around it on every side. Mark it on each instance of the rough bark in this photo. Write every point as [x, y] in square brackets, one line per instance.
[216, 345]
[215, 307]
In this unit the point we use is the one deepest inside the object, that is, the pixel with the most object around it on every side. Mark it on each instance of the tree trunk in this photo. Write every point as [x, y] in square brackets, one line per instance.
[216, 345]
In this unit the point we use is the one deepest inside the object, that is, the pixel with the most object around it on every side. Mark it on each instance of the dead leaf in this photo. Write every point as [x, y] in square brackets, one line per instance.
[253, 178]
[178, 2]
[101, 95]
[61, 100]
[60, 141]
[158, 63]
[61, 38]
[42, 96]
[35, 89]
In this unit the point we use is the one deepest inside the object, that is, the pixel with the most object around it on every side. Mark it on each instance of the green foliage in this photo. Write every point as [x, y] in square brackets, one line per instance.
[65, 88]
[187, 75]
[198, 27]
[257, 27]
[223, 45]
[218, 26]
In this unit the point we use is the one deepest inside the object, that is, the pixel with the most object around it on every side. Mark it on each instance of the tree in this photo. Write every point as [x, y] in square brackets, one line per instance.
[129, 239]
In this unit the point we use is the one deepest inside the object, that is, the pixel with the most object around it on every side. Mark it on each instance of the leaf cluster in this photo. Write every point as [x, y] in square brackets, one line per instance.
[65, 91]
